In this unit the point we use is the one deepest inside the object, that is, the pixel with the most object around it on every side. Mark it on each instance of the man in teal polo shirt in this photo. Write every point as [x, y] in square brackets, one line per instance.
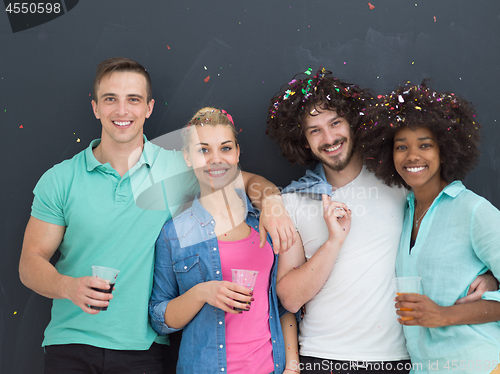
[87, 208]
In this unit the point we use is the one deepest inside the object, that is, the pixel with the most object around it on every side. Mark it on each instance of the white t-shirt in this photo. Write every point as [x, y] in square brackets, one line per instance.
[353, 315]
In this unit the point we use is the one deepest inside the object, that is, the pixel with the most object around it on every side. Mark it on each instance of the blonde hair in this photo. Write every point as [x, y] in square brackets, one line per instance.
[208, 116]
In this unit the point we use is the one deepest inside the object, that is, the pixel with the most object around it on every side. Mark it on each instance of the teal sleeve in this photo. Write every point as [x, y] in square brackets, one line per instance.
[48, 205]
[486, 240]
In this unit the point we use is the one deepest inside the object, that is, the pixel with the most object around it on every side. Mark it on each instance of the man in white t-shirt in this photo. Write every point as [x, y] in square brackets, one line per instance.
[350, 322]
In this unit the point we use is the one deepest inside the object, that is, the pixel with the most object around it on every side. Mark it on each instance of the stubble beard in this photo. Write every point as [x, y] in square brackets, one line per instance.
[336, 163]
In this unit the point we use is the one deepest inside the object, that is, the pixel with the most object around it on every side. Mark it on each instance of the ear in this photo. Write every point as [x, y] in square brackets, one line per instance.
[151, 104]
[186, 158]
[94, 108]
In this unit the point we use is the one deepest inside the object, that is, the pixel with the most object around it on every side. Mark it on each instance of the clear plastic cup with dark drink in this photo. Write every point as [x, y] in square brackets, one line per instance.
[108, 275]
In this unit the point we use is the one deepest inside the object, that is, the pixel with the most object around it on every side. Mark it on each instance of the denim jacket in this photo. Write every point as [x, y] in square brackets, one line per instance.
[314, 183]
[187, 253]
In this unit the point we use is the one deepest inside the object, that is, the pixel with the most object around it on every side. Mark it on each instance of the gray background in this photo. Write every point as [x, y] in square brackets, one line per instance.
[249, 49]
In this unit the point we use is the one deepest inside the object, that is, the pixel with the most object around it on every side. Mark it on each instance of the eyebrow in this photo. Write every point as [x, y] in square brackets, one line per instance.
[423, 138]
[333, 119]
[225, 142]
[110, 94]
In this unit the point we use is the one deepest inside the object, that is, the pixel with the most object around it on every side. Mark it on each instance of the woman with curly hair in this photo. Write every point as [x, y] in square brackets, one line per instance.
[428, 141]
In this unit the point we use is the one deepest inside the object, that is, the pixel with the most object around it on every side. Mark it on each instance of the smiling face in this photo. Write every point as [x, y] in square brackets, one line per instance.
[122, 107]
[416, 157]
[214, 154]
[329, 137]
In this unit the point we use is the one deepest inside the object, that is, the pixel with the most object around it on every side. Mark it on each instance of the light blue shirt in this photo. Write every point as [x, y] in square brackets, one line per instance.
[459, 239]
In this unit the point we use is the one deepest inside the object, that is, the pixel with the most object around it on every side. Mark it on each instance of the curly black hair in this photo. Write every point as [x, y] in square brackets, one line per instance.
[287, 110]
[450, 118]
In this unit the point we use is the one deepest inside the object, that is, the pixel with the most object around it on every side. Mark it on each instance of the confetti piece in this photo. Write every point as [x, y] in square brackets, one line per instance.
[308, 71]
[168, 47]
[78, 140]
[434, 18]
[205, 67]
[21, 127]
[165, 103]
[371, 6]
[15, 312]
[207, 79]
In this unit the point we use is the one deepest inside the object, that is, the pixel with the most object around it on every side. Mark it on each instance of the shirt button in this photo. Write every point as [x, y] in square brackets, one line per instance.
[220, 322]
[185, 267]
[217, 272]
[215, 249]
[221, 346]
[222, 369]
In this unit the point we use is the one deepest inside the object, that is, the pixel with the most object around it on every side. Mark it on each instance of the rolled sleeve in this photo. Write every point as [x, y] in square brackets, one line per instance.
[157, 313]
[165, 287]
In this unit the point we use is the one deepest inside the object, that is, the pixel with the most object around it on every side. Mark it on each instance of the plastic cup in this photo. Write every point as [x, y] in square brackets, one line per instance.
[108, 275]
[404, 285]
[245, 278]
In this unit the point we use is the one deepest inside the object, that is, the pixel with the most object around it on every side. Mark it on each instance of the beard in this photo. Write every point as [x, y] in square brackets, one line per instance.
[338, 162]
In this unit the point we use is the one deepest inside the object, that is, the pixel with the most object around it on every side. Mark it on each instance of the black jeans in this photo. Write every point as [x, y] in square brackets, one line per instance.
[314, 365]
[87, 359]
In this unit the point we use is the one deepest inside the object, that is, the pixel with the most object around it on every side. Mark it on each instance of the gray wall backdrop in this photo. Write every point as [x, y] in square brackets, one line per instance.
[249, 49]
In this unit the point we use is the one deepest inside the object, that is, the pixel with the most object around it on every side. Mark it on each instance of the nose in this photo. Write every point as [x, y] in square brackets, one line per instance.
[329, 136]
[121, 107]
[414, 154]
[214, 157]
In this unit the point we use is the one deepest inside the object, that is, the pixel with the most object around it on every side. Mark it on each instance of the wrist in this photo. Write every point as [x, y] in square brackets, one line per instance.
[334, 241]
[272, 196]
[447, 315]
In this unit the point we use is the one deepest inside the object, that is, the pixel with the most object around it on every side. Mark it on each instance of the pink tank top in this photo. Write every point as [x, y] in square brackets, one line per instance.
[248, 337]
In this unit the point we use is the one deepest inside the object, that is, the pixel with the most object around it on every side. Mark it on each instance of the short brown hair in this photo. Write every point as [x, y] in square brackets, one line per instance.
[121, 64]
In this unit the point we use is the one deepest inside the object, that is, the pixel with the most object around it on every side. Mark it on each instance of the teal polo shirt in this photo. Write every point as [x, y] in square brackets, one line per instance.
[110, 221]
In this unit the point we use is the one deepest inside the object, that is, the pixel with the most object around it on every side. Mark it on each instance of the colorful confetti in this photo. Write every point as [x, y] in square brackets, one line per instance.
[371, 6]
[308, 71]
[21, 127]
[207, 79]
[434, 18]
[168, 47]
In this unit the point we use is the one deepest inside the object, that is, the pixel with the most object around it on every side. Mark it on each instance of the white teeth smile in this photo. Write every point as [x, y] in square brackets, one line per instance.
[216, 172]
[415, 170]
[121, 123]
[334, 148]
